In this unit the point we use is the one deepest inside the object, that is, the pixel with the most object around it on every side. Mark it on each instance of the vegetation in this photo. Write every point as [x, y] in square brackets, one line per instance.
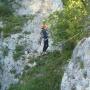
[64, 25]
[14, 24]
[13, 71]
[19, 51]
[69, 23]
[46, 75]
[5, 8]
[26, 32]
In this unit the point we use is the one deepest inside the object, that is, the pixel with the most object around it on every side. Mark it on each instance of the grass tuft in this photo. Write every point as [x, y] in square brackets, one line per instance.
[46, 75]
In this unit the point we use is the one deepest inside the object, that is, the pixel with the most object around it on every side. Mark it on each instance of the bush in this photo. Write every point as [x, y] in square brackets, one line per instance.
[69, 22]
[4, 10]
[13, 71]
[19, 51]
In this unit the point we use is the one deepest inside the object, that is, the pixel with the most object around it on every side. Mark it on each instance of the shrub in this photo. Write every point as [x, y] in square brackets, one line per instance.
[19, 51]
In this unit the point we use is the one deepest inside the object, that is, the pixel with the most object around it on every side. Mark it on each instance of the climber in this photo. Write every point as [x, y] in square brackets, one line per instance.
[44, 36]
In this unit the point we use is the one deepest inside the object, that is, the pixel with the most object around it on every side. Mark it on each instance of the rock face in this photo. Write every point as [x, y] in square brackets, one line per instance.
[77, 74]
[39, 6]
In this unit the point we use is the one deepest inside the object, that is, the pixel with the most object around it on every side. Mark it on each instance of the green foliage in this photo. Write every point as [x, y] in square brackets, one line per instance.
[12, 23]
[47, 75]
[6, 8]
[68, 22]
[13, 71]
[19, 51]
[30, 17]
[6, 12]
[65, 2]
[26, 67]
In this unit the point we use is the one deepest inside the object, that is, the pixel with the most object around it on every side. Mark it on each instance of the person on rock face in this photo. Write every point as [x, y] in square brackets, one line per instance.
[44, 36]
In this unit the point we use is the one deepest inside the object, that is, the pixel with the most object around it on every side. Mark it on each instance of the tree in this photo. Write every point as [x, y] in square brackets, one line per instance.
[68, 22]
